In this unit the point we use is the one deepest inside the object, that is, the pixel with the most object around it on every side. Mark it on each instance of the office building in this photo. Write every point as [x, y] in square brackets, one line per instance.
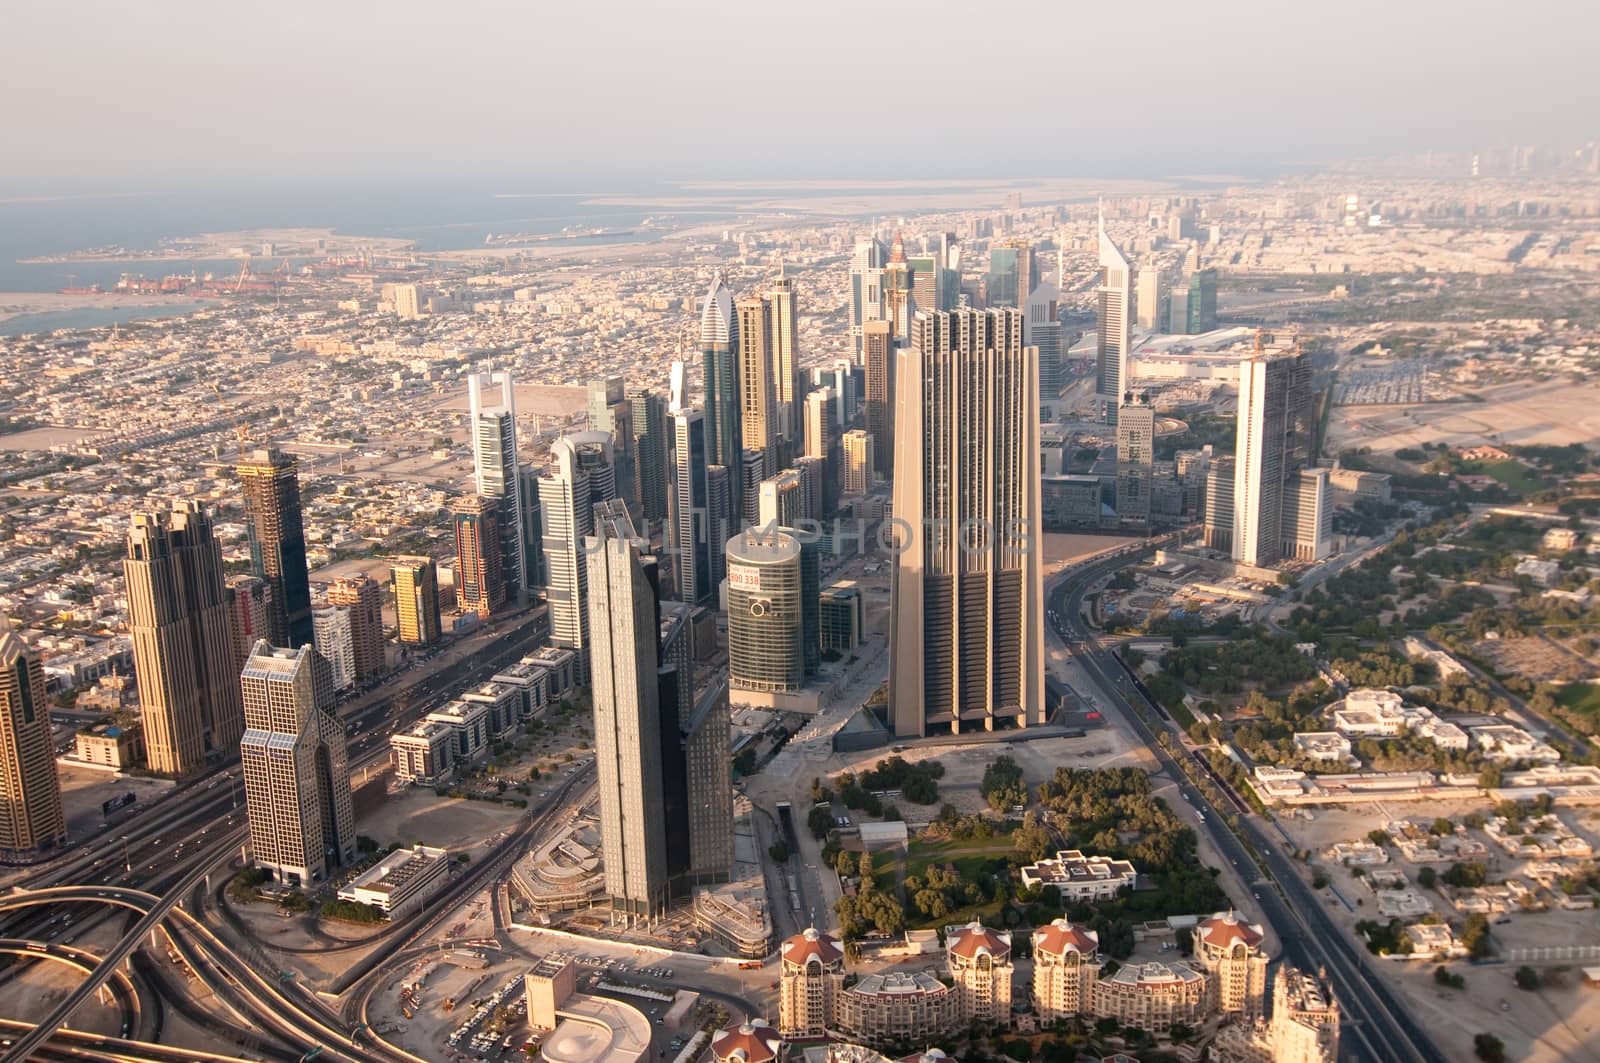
[897, 291]
[249, 614]
[859, 457]
[765, 628]
[32, 823]
[183, 653]
[707, 736]
[1013, 274]
[841, 618]
[628, 750]
[755, 470]
[1136, 421]
[364, 598]
[416, 599]
[724, 412]
[492, 401]
[533, 569]
[335, 640]
[813, 474]
[822, 441]
[271, 486]
[296, 777]
[480, 587]
[580, 476]
[867, 301]
[1113, 324]
[401, 882]
[936, 275]
[1041, 328]
[810, 598]
[652, 428]
[1219, 506]
[697, 525]
[1307, 516]
[757, 389]
[783, 500]
[611, 411]
[785, 357]
[967, 612]
[1151, 311]
[1193, 302]
[1275, 426]
[879, 353]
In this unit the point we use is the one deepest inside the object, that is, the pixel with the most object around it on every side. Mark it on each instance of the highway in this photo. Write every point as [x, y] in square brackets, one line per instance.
[1376, 1026]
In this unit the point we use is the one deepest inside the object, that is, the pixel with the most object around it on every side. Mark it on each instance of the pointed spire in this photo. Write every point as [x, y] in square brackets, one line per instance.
[897, 251]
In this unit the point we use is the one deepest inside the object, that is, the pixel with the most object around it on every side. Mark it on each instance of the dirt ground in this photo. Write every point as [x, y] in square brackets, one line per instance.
[417, 815]
[83, 789]
[1553, 413]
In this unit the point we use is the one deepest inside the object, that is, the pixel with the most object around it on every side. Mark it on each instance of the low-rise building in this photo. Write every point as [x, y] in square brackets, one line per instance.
[1544, 573]
[1153, 996]
[401, 882]
[111, 745]
[1506, 742]
[897, 1006]
[1432, 941]
[1082, 878]
[424, 754]
[469, 725]
[1328, 747]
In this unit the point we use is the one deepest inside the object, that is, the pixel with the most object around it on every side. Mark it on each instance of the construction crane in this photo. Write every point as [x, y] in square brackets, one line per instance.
[244, 275]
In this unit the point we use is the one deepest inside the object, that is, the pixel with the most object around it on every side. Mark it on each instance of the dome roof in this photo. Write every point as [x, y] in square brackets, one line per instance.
[812, 944]
[975, 938]
[1226, 929]
[1062, 937]
[754, 1042]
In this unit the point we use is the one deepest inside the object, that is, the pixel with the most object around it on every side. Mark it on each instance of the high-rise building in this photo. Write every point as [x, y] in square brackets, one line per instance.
[1228, 949]
[859, 458]
[1136, 421]
[364, 598]
[979, 960]
[183, 654]
[1219, 506]
[1151, 305]
[867, 298]
[653, 443]
[1275, 426]
[628, 749]
[32, 823]
[1193, 304]
[785, 360]
[898, 291]
[783, 500]
[879, 352]
[696, 752]
[480, 587]
[1307, 516]
[580, 476]
[335, 638]
[494, 468]
[1113, 324]
[1013, 273]
[1041, 328]
[766, 649]
[1305, 1019]
[755, 470]
[822, 441]
[249, 615]
[936, 276]
[533, 570]
[611, 411]
[966, 617]
[719, 346]
[757, 389]
[813, 473]
[416, 599]
[696, 530]
[276, 528]
[296, 776]
[1066, 969]
[810, 975]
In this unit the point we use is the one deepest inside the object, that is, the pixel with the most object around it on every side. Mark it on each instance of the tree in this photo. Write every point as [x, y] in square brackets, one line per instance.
[779, 851]
[819, 821]
[1003, 785]
[1489, 1048]
[1475, 936]
[1427, 877]
[1526, 978]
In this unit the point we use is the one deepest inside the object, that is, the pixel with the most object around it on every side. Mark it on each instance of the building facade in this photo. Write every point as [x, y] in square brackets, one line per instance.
[493, 420]
[32, 823]
[276, 526]
[1136, 430]
[1113, 323]
[765, 625]
[480, 584]
[364, 598]
[879, 353]
[416, 600]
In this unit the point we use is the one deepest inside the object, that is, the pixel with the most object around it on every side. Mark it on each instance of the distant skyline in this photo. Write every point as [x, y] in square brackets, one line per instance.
[106, 96]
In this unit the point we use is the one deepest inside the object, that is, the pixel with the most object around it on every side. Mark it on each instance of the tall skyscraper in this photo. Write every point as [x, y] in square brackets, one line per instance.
[533, 572]
[364, 598]
[32, 823]
[766, 651]
[336, 643]
[755, 470]
[296, 776]
[494, 468]
[416, 599]
[249, 615]
[967, 610]
[610, 410]
[1136, 421]
[696, 526]
[879, 351]
[719, 346]
[276, 527]
[783, 500]
[1041, 328]
[780, 297]
[936, 276]
[1219, 505]
[757, 390]
[822, 441]
[899, 291]
[580, 476]
[653, 443]
[1013, 273]
[183, 655]
[867, 300]
[1275, 426]
[480, 586]
[859, 460]
[627, 726]
[1151, 310]
[1113, 323]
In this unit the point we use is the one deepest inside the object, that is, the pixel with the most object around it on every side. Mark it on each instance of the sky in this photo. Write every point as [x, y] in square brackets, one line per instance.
[579, 95]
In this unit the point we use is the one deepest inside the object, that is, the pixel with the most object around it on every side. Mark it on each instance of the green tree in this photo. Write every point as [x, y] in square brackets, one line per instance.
[1489, 1048]
[1526, 978]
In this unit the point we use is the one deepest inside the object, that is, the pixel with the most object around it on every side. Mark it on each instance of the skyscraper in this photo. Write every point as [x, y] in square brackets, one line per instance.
[1013, 273]
[967, 610]
[610, 410]
[695, 527]
[766, 651]
[31, 820]
[183, 655]
[580, 475]
[859, 460]
[416, 600]
[879, 348]
[533, 572]
[1135, 458]
[336, 643]
[898, 291]
[276, 527]
[1219, 505]
[757, 390]
[480, 586]
[936, 276]
[1113, 323]
[779, 295]
[627, 727]
[1151, 305]
[249, 615]
[867, 301]
[494, 468]
[1273, 444]
[1041, 328]
[364, 598]
[719, 346]
[755, 470]
[653, 444]
[296, 776]
[783, 500]
[822, 441]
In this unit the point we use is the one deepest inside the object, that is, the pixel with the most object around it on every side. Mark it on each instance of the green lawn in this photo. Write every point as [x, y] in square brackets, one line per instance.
[1514, 475]
[971, 858]
[1580, 697]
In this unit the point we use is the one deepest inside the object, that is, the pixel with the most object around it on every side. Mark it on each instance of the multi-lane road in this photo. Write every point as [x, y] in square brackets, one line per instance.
[1376, 1026]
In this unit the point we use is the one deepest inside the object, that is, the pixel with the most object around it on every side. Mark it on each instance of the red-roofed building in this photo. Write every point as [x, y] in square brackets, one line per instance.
[811, 973]
[980, 963]
[1229, 949]
[1066, 965]
[754, 1042]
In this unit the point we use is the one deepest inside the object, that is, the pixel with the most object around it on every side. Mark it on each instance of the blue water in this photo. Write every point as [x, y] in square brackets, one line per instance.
[91, 317]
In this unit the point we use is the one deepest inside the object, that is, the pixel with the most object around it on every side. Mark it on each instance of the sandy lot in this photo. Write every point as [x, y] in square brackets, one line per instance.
[1545, 413]
[417, 815]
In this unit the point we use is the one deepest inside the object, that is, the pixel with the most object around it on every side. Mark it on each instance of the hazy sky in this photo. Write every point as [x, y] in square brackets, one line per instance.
[545, 94]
